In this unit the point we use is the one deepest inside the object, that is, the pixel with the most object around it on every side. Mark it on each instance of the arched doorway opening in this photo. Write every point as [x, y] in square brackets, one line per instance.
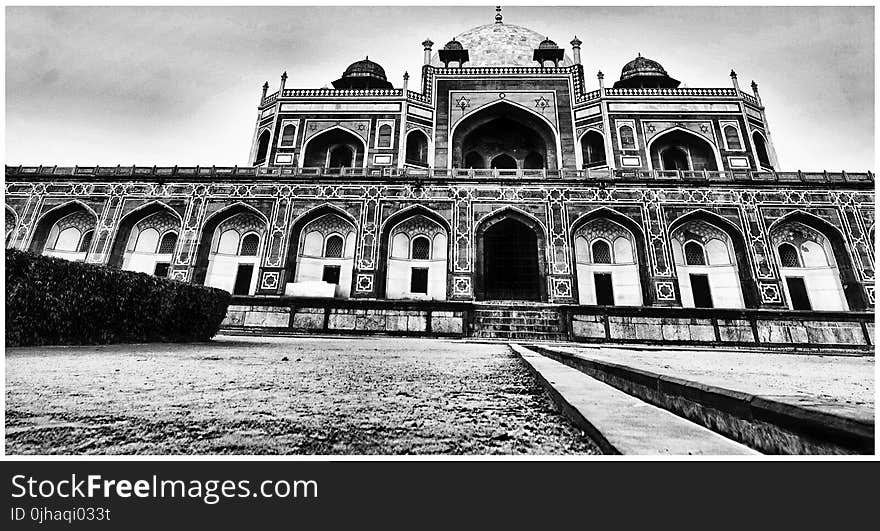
[761, 150]
[334, 148]
[417, 148]
[65, 232]
[824, 262]
[711, 263]
[593, 149]
[503, 162]
[340, 157]
[609, 260]
[680, 150]
[510, 258]
[673, 158]
[145, 240]
[505, 129]
[533, 161]
[262, 148]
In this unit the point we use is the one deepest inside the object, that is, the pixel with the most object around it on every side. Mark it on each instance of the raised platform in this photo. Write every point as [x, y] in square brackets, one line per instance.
[773, 422]
[510, 320]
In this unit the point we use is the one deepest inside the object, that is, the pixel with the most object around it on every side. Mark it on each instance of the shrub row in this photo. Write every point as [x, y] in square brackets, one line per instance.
[50, 301]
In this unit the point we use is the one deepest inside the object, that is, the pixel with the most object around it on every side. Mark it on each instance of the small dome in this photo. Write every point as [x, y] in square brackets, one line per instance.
[547, 44]
[453, 45]
[642, 66]
[365, 67]
[363, 74]
[642, 72]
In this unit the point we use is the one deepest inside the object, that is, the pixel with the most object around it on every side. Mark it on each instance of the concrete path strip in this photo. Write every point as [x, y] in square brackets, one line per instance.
[620, 423]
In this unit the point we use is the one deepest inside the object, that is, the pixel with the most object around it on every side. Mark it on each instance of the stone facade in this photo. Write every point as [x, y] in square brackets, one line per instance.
[661, 166]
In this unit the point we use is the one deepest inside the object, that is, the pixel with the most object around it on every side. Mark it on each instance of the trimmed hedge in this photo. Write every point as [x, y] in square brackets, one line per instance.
[50, 301]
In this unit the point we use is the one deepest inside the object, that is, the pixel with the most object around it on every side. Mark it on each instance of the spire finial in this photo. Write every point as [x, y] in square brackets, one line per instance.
[498, 15]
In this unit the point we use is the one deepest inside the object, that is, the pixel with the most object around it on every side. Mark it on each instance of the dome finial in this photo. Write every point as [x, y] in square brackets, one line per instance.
[498, 15]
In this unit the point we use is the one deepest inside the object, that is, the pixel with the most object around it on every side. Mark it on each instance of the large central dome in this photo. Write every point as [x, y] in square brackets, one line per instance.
[500, 45]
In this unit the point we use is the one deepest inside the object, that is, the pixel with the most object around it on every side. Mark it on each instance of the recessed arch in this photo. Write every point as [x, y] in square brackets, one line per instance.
[510, 256]
[296, 234]
[388, 228]
[343, 133]
[760, 143]
[640, 249]
[711, 164]
[11, 221]
[748, 285]
[210, 225]
[592, 148]
[262, 147]
[417, 147]
[852, 288]
[51, 216]
[126, 224]
[522, 130]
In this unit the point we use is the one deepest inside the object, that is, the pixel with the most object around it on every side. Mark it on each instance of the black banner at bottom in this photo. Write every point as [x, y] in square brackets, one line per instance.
[428, 494]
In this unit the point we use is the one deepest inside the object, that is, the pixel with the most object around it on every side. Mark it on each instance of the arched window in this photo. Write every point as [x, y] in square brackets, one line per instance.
[732, 138]
[147, 241]
[627, 138]
[333, 246]
[262, 148]
[693, 254]
[169, 240]
[504, 162]
[421, 248]
[474, 160]
[601, 252]
[417, 148]
[228, 243]
[250, 244]
[623, 251]
[340, 156]
[67, 240]
[593, 148]
[384, 136]
[761, 149]
[288, 135]
[534, 161]
[674, 159]
[86, 241]
[788, 256]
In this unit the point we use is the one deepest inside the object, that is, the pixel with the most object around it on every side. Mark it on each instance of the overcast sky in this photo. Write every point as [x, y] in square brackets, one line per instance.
[166, 86]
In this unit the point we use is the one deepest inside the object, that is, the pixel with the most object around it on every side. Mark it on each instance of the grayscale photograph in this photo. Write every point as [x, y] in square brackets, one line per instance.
[439, 230]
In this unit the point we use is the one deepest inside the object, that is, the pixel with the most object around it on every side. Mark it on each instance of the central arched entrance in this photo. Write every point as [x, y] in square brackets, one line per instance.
[504, 136]
[510, 262]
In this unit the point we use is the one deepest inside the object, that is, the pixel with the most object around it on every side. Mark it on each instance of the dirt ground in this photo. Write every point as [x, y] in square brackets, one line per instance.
[842, 385]
[281, 396]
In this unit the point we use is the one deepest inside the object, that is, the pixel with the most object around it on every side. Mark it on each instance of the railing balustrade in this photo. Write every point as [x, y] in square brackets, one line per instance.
[183, 173]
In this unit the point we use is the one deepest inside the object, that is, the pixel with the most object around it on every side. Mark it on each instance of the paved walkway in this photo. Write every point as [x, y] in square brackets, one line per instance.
[239, 395]
[841, 385]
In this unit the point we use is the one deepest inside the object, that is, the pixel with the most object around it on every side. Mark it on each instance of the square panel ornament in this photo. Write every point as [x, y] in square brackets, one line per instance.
[770, 293]
[665, 290]
[461, 286]
[364, 283]
[270, 280]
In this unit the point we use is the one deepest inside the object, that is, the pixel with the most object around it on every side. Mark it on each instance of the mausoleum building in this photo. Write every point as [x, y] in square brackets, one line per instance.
[504, 176]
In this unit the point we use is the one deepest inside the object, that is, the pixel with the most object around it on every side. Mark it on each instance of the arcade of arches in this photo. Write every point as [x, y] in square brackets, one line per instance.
[608, 256]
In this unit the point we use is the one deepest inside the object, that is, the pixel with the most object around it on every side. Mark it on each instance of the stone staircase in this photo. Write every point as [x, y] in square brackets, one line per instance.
[533, 322]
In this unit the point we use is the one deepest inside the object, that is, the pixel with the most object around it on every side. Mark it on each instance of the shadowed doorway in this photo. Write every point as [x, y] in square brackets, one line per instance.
[510, 265]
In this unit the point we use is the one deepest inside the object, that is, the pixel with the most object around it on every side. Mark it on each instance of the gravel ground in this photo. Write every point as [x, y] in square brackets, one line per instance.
[842, 385]
[240, 396]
